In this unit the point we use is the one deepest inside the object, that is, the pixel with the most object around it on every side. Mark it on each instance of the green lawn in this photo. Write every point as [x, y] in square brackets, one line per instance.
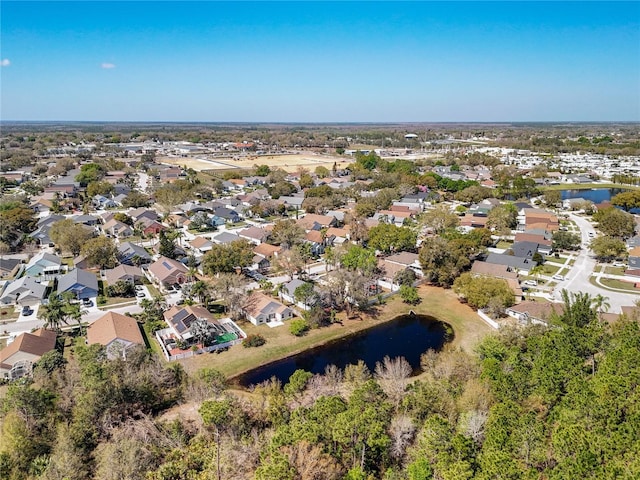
[151, 342]
[614, 270]
[504, 244]
[617, 284]
[9, 313]
[154, 291]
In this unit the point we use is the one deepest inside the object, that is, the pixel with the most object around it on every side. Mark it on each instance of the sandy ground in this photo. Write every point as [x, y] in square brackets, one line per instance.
[289, 163]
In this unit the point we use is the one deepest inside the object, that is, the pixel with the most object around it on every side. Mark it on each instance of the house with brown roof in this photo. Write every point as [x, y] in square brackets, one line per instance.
[267, 250]
[263, 309]
[168, 272]
[201, 245]
[536, 312]
[503, 272]
[18, 357]
[255, 235]
[124, 273]
[313, 221]
[117, 229]
[117, 333]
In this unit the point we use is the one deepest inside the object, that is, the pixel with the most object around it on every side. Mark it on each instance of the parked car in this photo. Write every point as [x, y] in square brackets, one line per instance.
[140, 294]
[558, 277]
[26, 311]
[87, 302]
[531, 283]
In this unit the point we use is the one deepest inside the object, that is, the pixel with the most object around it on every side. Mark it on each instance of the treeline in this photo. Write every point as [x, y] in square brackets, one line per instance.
[538, 402]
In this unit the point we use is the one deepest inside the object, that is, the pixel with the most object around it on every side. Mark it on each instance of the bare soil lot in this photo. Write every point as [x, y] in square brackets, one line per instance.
[290, 163]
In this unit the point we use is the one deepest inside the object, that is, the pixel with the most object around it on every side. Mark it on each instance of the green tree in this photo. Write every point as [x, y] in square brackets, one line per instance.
[359, 259]
[305, 294]
[70, 236]
[552, 198]
[627, 200]
[217, 414]
[90, 172]
[440, 219]
[100, 251]
[391, 238]
[262, 170]
[607, 248]
[503, 218]
[565, 240]
[227, 257]
[615, 223]
[167, 247]
[409, 294]
[16, 221]
[99, 188]
[478, 291]
[299, 327]
[287, 233]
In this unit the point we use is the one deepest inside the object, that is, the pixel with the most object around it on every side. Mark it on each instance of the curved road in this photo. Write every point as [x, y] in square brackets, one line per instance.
[582, 270]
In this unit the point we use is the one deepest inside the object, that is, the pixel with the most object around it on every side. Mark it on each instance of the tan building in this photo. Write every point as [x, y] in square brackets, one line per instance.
[117, 333]
[17, 358]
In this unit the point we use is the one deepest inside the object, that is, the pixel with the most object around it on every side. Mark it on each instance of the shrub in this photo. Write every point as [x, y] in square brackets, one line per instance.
[409, 295]
[101, 300]
[253, 340]
[299, 327]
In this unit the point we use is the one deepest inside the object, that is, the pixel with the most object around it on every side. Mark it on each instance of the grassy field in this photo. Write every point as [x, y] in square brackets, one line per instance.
[468, 329]
[619, 284]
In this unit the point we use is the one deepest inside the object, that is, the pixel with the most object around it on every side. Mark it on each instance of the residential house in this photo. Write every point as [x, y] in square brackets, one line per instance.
[139, 213]
[264, 309]
[180, 319]
[201, 245]
[43, 264]
[117, 333]
[287, 293]
[536, 312]
[318, 241]
[103, 202]
[18, 357]
[168, 272]
[82, 283]
[405, 260]
[634, 258]
[124, 273]
[267, 250]
[521, 265]
[393, 217]
[312, 221]
[480, 268]
[9, 267]
[294, 201]
[25, 291]
[132, 254]
[255, 235]
[225, 237]
[117, 229]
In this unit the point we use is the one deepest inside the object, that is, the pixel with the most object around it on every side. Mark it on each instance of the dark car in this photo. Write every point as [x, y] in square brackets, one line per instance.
[26, 311]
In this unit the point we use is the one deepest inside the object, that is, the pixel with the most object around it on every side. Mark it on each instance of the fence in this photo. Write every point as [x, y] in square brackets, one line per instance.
[486, 318]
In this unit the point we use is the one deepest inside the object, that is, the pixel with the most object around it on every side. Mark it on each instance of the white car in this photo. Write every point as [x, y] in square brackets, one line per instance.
[531, 283]
[558, 277]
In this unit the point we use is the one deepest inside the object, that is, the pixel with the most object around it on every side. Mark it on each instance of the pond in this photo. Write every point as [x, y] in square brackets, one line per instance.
[596, 195]
[407, 336]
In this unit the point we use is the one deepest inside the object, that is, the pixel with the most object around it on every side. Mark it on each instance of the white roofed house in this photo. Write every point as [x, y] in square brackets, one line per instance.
[44, 264]
[201, 245]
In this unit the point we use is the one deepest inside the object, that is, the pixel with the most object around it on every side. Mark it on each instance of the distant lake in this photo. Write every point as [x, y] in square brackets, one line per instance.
[596, 195]
[407, 336]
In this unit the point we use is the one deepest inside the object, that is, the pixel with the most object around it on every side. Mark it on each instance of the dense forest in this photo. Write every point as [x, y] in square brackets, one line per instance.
[538, 402]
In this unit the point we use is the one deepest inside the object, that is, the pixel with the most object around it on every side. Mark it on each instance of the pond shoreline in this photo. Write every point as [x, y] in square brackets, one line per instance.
[439, 303]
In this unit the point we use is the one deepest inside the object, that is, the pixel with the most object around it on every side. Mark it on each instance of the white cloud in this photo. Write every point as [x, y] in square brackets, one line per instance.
[108, 65]
[5, 62]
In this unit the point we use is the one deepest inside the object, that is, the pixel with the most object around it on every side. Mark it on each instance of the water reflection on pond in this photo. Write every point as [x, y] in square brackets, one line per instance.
[407, 336]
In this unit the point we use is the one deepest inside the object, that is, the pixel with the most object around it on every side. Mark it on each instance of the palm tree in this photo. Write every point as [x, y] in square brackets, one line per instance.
[200, 290]
[53, 313]
[601, 304]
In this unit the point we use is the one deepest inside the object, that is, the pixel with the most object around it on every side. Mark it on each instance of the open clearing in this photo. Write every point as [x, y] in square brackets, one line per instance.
[289, 163]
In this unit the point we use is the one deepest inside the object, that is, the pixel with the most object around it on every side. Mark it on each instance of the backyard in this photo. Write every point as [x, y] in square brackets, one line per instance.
[442, 304]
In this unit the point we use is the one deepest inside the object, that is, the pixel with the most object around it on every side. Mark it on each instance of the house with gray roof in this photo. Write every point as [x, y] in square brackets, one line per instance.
[82, 283]
[132, 254]
[43, 264]
[522, 265]
[23, 291]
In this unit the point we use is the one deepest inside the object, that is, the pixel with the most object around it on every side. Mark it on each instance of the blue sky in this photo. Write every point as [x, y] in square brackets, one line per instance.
[320, 62]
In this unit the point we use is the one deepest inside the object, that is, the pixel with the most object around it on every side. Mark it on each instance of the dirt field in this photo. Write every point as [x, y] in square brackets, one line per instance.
[289, 163]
